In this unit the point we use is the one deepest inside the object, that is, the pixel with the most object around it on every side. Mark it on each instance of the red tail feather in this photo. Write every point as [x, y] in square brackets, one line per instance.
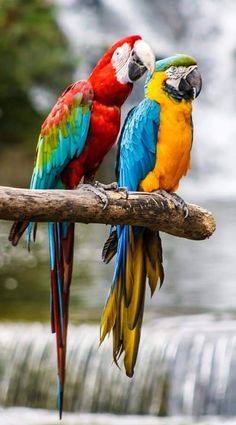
[60, 283]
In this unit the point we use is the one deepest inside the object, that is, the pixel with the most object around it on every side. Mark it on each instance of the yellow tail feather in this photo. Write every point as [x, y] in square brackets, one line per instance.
[139, 278]
[131, 340]
[153, 259]
[109, 314]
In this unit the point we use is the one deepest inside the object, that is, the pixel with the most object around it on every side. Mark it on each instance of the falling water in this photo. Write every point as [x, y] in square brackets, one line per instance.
[186, 366]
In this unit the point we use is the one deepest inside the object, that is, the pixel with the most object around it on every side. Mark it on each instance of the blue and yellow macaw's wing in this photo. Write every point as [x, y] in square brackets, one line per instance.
[137, 144]
[63, 135]
[138, 250]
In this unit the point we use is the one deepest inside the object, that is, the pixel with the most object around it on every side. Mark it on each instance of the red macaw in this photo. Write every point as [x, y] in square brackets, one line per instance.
[78, 132]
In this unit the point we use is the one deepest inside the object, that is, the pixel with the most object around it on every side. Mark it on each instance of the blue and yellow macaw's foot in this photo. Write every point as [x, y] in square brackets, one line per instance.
[176, 199]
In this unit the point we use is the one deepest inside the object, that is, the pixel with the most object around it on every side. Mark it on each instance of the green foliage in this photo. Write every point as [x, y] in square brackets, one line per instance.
[33, 53]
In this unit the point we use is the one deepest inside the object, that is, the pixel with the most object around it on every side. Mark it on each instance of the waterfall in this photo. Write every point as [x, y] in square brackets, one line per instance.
[203, 28]
[186, 366]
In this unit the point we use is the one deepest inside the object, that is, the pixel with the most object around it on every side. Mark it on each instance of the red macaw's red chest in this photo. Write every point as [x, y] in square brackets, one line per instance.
[103, 132]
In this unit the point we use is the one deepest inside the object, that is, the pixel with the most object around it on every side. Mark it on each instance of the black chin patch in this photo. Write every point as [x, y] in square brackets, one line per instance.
[188, 94]
[173, 92]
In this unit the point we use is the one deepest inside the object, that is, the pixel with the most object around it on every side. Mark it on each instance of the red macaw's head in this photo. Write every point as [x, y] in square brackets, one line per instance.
[124, 63]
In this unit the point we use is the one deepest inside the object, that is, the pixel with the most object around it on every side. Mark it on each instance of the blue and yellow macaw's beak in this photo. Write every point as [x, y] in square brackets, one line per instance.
[191, 83]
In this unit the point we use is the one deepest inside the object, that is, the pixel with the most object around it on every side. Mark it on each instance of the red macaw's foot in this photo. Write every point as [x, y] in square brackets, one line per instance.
[113, 186]
[176, 199]
[98, 191]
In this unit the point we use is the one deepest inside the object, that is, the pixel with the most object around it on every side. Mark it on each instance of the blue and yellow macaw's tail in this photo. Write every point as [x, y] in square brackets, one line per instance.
[139, 256]
[61, 246]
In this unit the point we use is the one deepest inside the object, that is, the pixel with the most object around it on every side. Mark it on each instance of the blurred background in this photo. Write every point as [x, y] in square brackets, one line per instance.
[186, 371]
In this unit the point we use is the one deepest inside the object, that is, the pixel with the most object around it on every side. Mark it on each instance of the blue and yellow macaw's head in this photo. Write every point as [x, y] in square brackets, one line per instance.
[177, 77]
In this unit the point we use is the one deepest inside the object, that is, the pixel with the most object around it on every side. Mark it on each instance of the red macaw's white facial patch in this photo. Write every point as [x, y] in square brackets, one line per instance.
[120, 62]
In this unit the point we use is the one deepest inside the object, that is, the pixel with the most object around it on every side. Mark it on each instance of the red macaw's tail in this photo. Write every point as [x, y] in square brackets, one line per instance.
[139, 256]
[61, 247]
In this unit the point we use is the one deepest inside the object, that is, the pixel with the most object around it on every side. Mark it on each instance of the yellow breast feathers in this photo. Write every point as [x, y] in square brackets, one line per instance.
[174, 140]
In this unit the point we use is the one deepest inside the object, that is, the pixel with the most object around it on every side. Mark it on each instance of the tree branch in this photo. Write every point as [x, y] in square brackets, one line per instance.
[141, 209]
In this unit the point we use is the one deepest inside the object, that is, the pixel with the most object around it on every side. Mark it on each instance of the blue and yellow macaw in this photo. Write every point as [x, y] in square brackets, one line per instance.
[153, 154]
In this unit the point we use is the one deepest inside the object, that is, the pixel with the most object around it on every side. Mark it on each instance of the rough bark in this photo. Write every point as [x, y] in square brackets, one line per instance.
[142, 209]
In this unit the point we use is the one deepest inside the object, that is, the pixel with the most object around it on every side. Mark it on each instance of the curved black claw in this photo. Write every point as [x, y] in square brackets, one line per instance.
[124, 191]
[180, 203]
[113, 186]
[97, 190]
[176, 199]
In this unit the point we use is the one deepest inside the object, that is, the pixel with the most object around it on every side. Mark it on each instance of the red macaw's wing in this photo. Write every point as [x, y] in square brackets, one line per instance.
[63, 134]
[62, 138]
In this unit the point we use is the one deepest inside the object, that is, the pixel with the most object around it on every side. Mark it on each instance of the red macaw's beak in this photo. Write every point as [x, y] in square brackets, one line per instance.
[142, 59]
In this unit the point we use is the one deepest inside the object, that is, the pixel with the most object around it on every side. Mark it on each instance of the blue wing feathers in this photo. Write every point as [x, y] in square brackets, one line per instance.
[136, 157]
